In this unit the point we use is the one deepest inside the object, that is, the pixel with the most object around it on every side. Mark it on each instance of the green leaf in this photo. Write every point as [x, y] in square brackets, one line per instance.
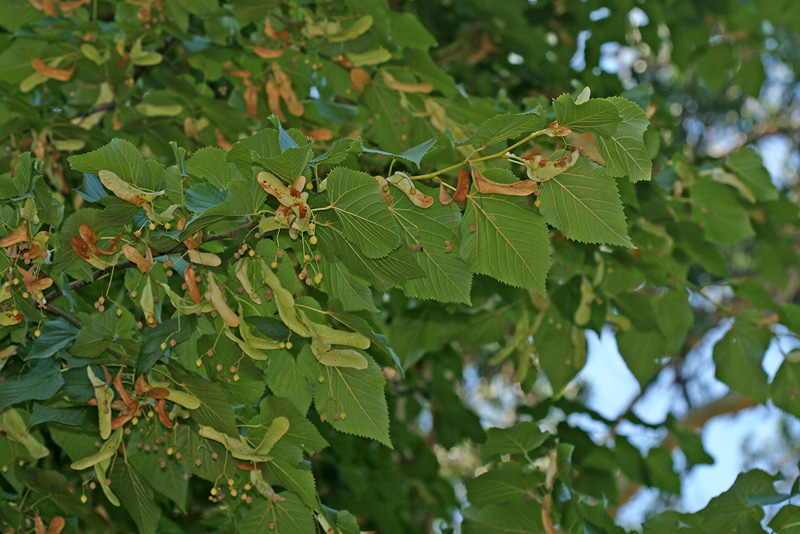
[505, 483]
[92, 189]
[286, 516]
[561, 349]
[267, 149]
[785, 386]
[447, 278]
[519, 439]
[104, 331]
[729, 512]
[787, 520]
[384, 273]
[597, 116]
[169, 480]
[118, 156]
[52, 484]
[286, 379]
[519, 517]
[365, 220]
[353, 292]
[302, 433]
[661, 472]
[245, 197]
[204, 196]
[738, 355]
[643, 350]
[409, 32]
[177, 328]
[211, 164]
[716, 207]
[79, 417]
[40, 383]
[215, 461]
[359, 395]
[508, 126]
[55, 335]
[215, 410]
[16, 14]
[136, 496]
[584, 204]
[747, 165]
[624, 151]
[502, 237]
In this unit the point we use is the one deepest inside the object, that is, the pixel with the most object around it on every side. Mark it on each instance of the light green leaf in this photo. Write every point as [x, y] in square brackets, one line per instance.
[365, 220]
[584, 204]
[359, 395]
[597, 116]
[624, 151]
[504, 238]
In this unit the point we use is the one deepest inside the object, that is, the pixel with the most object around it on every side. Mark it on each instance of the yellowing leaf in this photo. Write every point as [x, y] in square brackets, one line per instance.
[126, 191]
[343, 358]
[405, 87]
[404, 184]
[216, 298]
[358, 28]
[371, 57]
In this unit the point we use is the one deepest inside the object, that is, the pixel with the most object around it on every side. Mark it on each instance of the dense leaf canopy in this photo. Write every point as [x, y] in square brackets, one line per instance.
[253, 250]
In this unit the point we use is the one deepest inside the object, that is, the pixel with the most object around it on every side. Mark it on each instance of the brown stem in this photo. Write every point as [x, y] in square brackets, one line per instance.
[547, 503]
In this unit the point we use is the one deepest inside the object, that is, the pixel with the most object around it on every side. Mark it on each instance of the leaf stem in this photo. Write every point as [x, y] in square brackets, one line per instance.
[467, 160]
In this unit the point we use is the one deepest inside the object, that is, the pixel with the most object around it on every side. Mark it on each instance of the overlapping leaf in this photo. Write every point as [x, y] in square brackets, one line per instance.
[597, 116]
[624, 151]
[359, 206]
[447, 278]
[504, 238]
[584, 204]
